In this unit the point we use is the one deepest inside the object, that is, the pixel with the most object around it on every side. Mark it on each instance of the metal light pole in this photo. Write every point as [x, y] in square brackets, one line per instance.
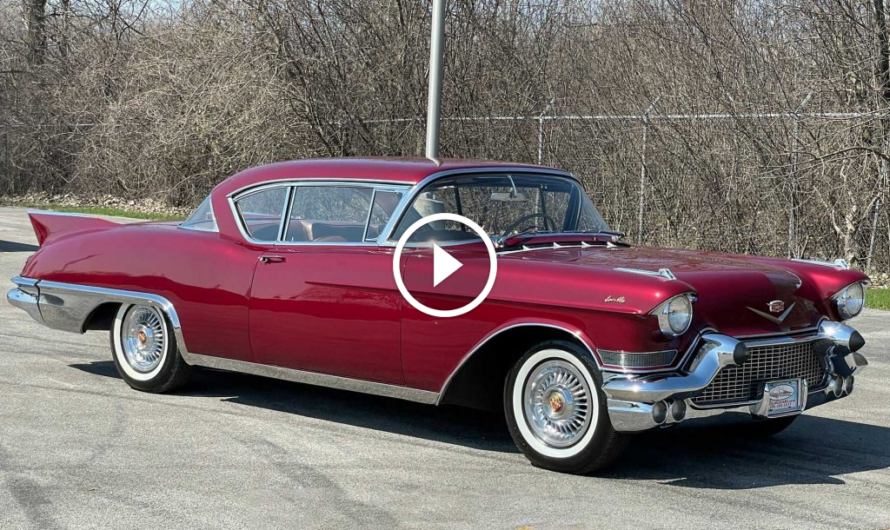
[434, 103]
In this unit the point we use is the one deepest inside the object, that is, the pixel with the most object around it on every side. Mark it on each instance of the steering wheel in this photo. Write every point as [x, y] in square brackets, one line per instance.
[547, 222]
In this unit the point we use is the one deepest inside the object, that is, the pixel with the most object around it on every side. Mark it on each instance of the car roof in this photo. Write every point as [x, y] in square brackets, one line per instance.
[408, 171]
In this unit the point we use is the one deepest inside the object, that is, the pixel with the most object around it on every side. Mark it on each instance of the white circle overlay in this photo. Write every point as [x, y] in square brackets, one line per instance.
[445, 313]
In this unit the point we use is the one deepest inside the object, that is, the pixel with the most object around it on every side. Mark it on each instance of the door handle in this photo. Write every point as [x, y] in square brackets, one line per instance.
[272, 259]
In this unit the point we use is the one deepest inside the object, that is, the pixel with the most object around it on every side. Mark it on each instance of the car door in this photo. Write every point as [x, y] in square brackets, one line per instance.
[323, 297]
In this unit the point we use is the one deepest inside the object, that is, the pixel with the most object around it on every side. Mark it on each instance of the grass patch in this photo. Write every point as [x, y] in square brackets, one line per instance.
[877, 298]
[105, 210]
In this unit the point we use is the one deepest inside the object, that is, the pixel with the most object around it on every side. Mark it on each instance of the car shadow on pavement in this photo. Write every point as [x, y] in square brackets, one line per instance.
[716, 453]
[12, 246]
[712, 453]
[454, 425]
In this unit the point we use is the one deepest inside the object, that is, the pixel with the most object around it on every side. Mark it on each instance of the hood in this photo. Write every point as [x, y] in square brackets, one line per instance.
[736, 294]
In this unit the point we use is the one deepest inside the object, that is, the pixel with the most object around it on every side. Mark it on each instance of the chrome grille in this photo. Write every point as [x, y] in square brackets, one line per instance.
[804, 359]
[638, 359]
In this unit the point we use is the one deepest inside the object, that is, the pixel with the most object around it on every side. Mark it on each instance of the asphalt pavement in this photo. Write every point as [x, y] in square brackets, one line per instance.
[80, 449]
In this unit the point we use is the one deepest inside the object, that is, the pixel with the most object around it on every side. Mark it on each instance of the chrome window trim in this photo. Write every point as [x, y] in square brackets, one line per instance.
[374, 185]
[233, 200]
[368, 217]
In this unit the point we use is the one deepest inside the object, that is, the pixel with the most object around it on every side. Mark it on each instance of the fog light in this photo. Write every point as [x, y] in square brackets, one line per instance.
[848, 385]
[678, 410]
[659, 412]
[837, 386]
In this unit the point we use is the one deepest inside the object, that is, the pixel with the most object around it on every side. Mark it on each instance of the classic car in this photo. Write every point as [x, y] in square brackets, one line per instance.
[287, 271]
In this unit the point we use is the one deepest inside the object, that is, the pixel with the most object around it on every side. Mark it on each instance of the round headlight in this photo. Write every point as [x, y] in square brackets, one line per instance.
[850, 300]
[674, 315]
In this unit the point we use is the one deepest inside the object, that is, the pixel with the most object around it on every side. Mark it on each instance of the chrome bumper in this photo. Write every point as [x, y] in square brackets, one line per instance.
[26, 297]
[639, 403]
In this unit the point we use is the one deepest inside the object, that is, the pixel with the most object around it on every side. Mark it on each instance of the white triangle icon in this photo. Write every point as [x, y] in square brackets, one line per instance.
[443, 265]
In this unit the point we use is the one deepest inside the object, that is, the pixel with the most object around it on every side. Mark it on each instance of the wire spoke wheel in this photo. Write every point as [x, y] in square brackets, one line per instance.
[556, 403]
[143, 338]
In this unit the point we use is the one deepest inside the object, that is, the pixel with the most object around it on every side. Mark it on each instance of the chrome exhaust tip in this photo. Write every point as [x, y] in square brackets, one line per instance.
[837, 387]
[659, 412]
[848, 385]
[678, 410]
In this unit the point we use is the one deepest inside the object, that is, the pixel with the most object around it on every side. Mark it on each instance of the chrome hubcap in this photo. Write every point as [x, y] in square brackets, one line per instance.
[557, 403]
[142, 338]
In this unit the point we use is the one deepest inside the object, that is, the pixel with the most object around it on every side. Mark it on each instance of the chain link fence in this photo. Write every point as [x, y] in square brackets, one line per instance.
[780, 183]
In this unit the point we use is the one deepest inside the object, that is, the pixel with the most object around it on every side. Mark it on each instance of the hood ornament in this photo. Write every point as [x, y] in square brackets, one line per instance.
[776, 306]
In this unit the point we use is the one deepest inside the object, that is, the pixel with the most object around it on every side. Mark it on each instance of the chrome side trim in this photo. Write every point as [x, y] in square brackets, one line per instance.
[498, 332]
[315, 378]
[66, 306]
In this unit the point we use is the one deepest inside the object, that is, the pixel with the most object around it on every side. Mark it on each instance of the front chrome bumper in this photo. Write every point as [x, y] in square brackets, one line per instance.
[643, 402]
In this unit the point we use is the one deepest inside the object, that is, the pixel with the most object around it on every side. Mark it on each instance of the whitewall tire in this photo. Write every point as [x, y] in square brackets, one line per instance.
[556, 411]
[145, 351]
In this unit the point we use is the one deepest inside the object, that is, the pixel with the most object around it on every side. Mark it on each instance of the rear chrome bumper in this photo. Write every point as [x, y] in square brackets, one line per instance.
[643, 402]
[26, 297]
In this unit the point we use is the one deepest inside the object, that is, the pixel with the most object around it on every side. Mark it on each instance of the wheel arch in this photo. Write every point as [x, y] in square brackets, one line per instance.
[470, 384]
[101, 318]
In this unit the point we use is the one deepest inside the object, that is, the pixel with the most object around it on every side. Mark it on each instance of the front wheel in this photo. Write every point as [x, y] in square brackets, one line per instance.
[145, 351]
[556, 410]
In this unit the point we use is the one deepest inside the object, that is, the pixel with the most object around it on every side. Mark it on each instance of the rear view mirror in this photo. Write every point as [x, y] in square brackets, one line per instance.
[509, 196]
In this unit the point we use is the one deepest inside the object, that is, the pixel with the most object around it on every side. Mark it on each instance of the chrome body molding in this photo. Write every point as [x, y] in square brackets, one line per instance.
[638, 403]
[313, 378]
[67, 306]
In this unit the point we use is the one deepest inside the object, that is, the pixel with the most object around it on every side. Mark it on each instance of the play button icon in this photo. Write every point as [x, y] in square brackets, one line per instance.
[444, 265]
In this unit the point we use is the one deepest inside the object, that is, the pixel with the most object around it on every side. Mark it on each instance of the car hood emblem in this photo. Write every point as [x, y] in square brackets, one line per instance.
[776, 306]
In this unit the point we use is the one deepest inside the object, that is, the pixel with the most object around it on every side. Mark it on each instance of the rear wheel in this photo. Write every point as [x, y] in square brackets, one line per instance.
[145, 351]
[556, 411]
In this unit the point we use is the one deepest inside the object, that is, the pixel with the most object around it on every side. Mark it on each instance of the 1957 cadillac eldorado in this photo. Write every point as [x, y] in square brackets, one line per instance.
[287, 271]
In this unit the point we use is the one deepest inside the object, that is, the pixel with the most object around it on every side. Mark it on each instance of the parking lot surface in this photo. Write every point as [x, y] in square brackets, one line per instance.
[80, 449]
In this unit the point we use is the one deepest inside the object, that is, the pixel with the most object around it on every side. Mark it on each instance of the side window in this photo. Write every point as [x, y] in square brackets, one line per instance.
[261, 212]
[329, 214]
[202, 219]
[385, 203]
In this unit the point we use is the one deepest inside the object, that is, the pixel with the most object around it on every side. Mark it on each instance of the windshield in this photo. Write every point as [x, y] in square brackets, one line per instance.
[503, 205]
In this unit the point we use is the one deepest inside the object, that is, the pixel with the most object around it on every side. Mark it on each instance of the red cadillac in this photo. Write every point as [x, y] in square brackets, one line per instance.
[287, 271]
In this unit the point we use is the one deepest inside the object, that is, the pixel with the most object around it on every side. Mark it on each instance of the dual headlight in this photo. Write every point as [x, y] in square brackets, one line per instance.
[850, 300]
[674, 315]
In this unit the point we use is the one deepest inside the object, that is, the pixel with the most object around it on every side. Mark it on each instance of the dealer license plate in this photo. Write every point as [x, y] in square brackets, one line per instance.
[784, 397]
